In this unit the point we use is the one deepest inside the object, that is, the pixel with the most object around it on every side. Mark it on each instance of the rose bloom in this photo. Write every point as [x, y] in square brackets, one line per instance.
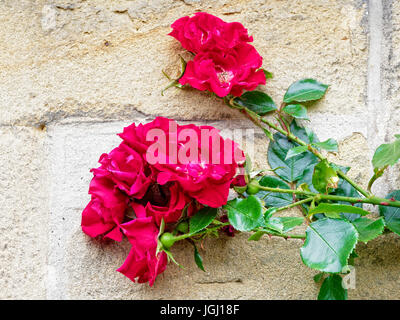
[127, 169]
[162, 202]
[203, 169]
[133, 190]
[224, 72]
[204, 31]
[142, 262]
[106, 210]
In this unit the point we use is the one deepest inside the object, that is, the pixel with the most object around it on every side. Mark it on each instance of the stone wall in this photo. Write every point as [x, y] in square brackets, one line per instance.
[73, 73]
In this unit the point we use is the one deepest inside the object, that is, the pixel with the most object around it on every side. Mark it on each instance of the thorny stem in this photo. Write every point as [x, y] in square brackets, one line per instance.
[292, 236]
[188, 235]
[371, 199]
[355, 185]
[256, 119]
[295, 204]
[286, 236]
[377, 174]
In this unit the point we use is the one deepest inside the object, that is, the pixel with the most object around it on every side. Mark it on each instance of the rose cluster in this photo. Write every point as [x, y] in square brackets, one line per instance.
[161, 171]
[224, 63]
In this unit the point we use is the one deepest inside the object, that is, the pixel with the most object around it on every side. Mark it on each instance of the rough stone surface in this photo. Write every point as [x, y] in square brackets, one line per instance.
[24, 213]
[390, 81]
[94, 58]
[73, 73]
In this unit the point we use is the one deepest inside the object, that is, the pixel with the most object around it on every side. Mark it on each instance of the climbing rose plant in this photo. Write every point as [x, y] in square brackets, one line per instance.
[167, 182]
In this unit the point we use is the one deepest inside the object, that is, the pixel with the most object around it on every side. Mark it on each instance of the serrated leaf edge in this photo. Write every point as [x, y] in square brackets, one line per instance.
[384, 224]
[348, 256]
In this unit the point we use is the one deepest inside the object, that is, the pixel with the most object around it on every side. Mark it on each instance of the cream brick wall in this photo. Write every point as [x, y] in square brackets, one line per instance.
[73, 73]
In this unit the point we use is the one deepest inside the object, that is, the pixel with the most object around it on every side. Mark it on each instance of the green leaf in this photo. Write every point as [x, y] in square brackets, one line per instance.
[296, 111]
[311, 136]
[268, 214]
[171, 258]
[304, 133]
[239, 189]
[292, 169]
[328, 244]
[283, 224]
[339, 168]
[162, 227]
[391, 214]
[353, 255]
[332, 289]
[329, 145]
[256, 235]
[245, 214]
[337, 208]
[318, 277]
[305, 90]
[344, 188]
[277, 225]
[386, 154]
[290, 223]
[275, 228]
[202, 219]
[324, 177]
[368, 229]
[268, 75]
[160, 232]
[274, 199]
[198, 259]
[296, 151]
[256, 101]
[307, 178]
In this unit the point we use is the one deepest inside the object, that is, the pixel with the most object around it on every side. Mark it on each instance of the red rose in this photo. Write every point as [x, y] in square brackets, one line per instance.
[105, 212]
[206, 177]
[158, 170]
[205, 31]
[142, 262]
[197, 157]
[228, 71]
[162, 202]
[127, 169]
[240, 180]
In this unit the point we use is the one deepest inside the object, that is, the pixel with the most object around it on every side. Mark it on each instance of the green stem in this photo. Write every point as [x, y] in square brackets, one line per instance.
[295, 204]
[188, 235]
[355, 185]
[295, 236]
[377, 174]
[286, 236]
[279, 190]
[371, 199]
[371, 182]
[257, 119]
